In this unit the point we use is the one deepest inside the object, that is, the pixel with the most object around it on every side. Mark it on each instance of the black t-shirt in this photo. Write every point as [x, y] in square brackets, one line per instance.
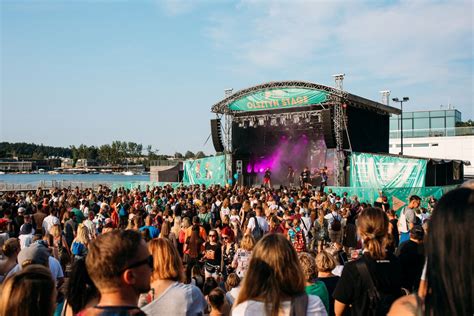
[213, 253]
[330, 283]
[352, 290]
[116, 311]
[412, 260]
[305, 176]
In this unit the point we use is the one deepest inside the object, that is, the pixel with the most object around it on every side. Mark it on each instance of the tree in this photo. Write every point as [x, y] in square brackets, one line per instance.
[200, 155]
[178, 155]
[189, 154]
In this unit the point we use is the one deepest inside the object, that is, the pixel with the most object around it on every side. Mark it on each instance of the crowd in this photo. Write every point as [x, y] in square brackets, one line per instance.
[215, 250]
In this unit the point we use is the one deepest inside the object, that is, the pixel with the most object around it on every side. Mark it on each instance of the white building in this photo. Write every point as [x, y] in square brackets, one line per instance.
[434, 134]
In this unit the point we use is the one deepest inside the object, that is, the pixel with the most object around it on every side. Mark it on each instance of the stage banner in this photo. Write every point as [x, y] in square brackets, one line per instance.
[279, 98]
[397, 197]
[206, 171]
[380, 172]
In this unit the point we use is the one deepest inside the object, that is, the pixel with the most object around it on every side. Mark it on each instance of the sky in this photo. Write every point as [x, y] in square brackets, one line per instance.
[92, 72]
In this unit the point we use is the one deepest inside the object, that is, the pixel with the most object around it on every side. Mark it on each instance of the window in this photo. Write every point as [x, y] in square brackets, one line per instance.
[407, 115]
[450, 113]
[434, 145]
[421, 123]
[437, 123]
[437, 114]
[421, 114]
[394, 125]
[421, 145]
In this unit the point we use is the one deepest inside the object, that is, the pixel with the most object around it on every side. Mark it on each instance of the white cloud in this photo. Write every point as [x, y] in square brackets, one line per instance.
[177, 7]
[402, 44]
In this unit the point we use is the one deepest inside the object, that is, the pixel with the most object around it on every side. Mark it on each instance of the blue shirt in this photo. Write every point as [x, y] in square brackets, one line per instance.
[154, 232]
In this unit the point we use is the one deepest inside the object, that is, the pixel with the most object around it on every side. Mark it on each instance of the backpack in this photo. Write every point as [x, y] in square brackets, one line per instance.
[299, 243]
[336, 224]
[379, 303]
[257, 231]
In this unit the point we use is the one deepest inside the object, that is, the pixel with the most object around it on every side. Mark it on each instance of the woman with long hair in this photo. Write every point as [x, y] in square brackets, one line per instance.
[80, 243]
[31, 291]
[229, 247]
[169, 295]
[449, 255]
[274, 283]
[320, 231]
[242, 256]
[212, 255]
[59, 243]
[11, 248]
[376, 266]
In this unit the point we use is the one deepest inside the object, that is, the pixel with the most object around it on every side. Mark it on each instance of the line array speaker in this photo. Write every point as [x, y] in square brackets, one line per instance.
[328, 128]
[217, 135]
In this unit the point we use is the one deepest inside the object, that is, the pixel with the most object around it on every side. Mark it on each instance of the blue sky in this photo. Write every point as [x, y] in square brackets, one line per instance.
[92, 72]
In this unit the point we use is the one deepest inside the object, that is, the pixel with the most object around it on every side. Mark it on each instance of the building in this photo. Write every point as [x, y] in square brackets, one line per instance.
[16, 166]
[434, 134]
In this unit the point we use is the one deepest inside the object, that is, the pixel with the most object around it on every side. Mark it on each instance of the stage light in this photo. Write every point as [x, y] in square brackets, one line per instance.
[296, 119]
[241, 123]
[252, 123]
[283, 120]
[273, 121]
[261, 121]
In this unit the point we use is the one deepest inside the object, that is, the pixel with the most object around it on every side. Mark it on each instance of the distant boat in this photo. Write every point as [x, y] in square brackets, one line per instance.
[127, 173]
[1, 172]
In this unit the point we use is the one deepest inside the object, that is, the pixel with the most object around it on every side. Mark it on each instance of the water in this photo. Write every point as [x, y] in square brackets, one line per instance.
[96, 178]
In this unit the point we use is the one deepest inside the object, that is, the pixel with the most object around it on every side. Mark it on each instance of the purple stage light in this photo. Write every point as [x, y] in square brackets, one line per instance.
[261, 170]
[249, 168]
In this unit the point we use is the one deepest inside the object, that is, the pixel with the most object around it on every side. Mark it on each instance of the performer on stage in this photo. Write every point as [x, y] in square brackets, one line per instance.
[267, 182]
[305, 178]
[291, 176]
[324, 178]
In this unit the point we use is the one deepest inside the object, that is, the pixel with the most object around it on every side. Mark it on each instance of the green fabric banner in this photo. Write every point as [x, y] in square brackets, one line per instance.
[206, 171]
[272, 99]
[397, 197]
[380, 171]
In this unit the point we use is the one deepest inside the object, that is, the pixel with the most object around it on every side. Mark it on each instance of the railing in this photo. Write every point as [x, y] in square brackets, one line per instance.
[49, 184]
[434, 132]
[163, 163]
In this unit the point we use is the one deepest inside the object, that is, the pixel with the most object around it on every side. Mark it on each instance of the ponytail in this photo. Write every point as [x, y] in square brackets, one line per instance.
[373, 228]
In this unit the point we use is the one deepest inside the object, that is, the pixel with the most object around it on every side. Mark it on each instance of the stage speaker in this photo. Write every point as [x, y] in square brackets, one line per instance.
[328, 128]
[217, 135]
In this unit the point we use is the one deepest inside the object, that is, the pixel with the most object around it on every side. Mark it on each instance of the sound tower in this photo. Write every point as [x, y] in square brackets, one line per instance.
[217, 135]
[328, 128]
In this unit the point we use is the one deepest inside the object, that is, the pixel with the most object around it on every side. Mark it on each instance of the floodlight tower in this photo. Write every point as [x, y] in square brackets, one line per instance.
[228, 125]
[385, 97]
[405, 99]
[338, 131]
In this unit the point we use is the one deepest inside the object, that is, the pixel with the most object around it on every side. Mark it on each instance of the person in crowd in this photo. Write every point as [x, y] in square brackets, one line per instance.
[275, 282]
[449, 253]
[407, 218]
[197, 277]
[70, 228]
[218, 303]
[80, 243]
[394, 235]
[26, 235]
[212, 255]
[257, 225]
[89, 223]
[229, 248]
[193, 246]
[120, 265]
[81, 293]
[295, 233]
[11, 249]
[312, 285]
[334, 224]
[169, 295]
[232, 287]
[242, 256]
[154, 232]
[59, 243]
[411, 254]
[325, 264]
[376, 267]
[31, 291]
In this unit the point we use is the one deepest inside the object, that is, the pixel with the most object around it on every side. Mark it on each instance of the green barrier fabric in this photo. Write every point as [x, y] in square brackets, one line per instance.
[279, 98]
[381, 172]
[397, 197]
[210, 170]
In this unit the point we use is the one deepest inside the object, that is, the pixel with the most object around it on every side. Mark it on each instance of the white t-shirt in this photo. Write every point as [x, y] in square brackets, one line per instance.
[49, 221]
[251, 308]
[262, 222]
[25, 240]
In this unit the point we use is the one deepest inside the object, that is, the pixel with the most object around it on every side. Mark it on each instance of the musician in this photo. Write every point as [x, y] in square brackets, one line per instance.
[267, 182]
[291, 176]
[305, 178]
[323, 172]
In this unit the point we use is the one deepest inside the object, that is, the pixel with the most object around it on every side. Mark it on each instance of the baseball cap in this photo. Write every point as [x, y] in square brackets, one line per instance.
[36, 253]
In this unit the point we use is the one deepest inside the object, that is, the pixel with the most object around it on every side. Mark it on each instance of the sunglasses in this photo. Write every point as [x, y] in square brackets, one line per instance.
[225, 237]
[148, 261]
[212, 235]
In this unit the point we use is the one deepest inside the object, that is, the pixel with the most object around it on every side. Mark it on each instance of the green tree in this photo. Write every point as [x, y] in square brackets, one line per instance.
[189, 154]
[200, 155]
[178, 155]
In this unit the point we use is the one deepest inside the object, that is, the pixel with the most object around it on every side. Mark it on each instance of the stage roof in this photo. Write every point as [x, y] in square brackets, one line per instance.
[293, 94]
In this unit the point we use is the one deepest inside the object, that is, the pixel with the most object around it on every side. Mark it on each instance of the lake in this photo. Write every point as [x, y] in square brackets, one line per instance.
[97, 178]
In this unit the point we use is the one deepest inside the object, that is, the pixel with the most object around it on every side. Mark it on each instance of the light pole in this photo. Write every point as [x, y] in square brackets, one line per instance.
[405, 99]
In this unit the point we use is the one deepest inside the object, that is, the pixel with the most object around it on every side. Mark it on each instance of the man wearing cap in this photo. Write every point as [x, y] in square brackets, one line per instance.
[412, 259]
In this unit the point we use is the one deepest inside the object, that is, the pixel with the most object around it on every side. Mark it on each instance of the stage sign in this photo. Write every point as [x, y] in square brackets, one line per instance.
[380, 172]
[279, 98]
[206, 171]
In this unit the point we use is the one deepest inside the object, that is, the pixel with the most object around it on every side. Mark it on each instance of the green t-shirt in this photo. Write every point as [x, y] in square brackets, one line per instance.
[79, 215]
[319, 289]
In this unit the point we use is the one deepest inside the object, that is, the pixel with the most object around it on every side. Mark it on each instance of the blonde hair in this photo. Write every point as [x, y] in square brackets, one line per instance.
[325, 262]
[82, 234]
[176, 226]
[55, 230]
[308, 265]
[274, 273]
[29, 292]
[232, 281]
[372, 226]
[167, 264]
[247, 242]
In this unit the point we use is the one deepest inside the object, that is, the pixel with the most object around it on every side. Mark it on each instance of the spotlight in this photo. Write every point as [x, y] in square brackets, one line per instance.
[273, 121]
[261, 121]
[283, 120]
[296, 119]
[252, 123]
